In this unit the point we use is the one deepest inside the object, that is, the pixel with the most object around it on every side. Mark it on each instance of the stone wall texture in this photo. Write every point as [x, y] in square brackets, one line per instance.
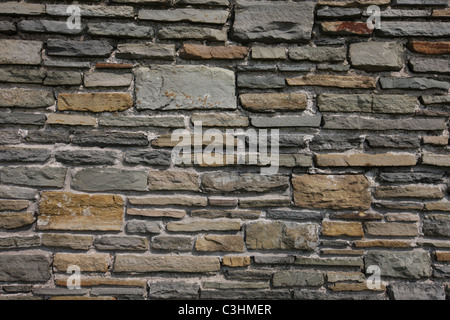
[87, 177]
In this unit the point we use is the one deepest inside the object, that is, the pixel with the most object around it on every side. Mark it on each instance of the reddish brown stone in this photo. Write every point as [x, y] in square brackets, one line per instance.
[346, 27]
[198, 52]
[105, 65]
[429, 47]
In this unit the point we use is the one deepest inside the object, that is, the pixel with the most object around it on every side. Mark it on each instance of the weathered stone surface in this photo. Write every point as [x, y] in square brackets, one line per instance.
[415, 29]
[165, 213]
[436, 141]
[70, 241]
[401, 104]
[338, 13]
[232, 285]
[281, 235]
[11, 192]
[416, 291]
[154, 263]
[411, 177]
[411, 191]
[441, 160]
[20, 8]
[268, 53]
[388, 141]
[420, 2]
[232, 214]
[152, 121]
[90, 48]
[318, 54]
[235, 261]
[22, 75]
[173, 290]
[345, 102]
[272, 102]
[95, 262]
[86, 157]
[383, 244]
[251, 81]
[46, 26]
[174, 88]
[8, 136]
[13, 205]
[436, 225]
[245, 294]
[163, 200]
[401, 264]
[24, 267]
[267, 21]
[109, 79]
[394, 229]
[121, 243]
[93, 11]
[148, 157]
[430, 65]
[325, 142]
[63, 78]
[220, 120]
[347, 28]
[34, 176]
[24, 154]
[330, 262]
[338, 228]
[68, 211]
[332, 192]
[186, 15]
[18, 242]
[438, 206]
[172, 243]
[377, 56]
[413, 83]
[443, 256]
[147, 50]
[265, 201]
[111, 138]
[194, 33]
[289, 214]
[228, 243]
[22, 118]
[205, 225]
[110, 179]
[112, 29]
[287, 121]
[94, 102]
[70, 120]
[200, 52]
[365, 160]
[14, 220]
[243, 182]
[173, 180]
[140, 226]
[20, 52]
[354, 82]
[26, 98]
[430, 47]
[298, 279]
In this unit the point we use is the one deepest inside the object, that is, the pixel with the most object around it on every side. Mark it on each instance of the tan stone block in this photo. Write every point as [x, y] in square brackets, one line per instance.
[97, 262]
[365, 160]
[95, 102]
[173, 180]
[343, 286]
[226, 243]
[383, 243]
[435, 140]
[76, 242]
[438, 206]
[166, 213]
[198, 52]
[14, 220]
[13, 205]
[443, 256]
[236, 261]
[163, 200]
[205, 225]
[69, 211]
[393, 229]
[337, 228]
[70, 120]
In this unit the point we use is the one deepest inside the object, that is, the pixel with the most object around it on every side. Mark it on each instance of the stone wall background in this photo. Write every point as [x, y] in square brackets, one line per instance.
[86, 176]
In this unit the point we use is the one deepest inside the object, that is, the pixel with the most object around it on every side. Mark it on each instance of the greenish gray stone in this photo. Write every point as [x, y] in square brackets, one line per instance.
[24, 267]
[66, 78]
[24, 154]
[173, 290]
[110, 179]
[107, 79]
[22, 75]
[26, 98]
[274, 259]
[185, 15]
[16, 242]
[121, 243]
[112, 29]
[194, 33]
[436, 225]
[430, 65]
[345, 102]
[141, 226]
[11, 192]
[436, 99]
[297, 278]
[318, 54]
[185, 87]
[172, 243]
[260, 82]
[48, 136]
[147, 50]
[287, 121]
[414, 264]
[59, 292]
[249, 274]
[267, 21]
[377, 56]
[125, 293]
[86, 157]
[394, 104]
[53, 177]
[413, 83]
[22, 118]
[397, 142]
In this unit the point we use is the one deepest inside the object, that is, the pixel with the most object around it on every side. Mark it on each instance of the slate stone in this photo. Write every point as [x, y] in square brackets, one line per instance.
[414, 29]
[24, 268]
[318, 54]
[48, 136]
[185, 15]
[172, 243]
[26, 98]
[34, 176]
[24, 154]
[90, 48]
[414, 264]
[430, 65]
[86, 157]
[287, 121]
[416, 291]
[11, 192]
[298, 279]
[102, 139]
[47, 26]
[377, 56]
[436, 225]
[92, 11]
[158, 121]
[140, 226]
[267, 21]
[121, 243]
[260, 82]
[7, 27]
[109, 179]
[66, 78]
[20, 52]
[411, 177]
[194, 33]
[398, 142]
[245, 294]
[342, 13]
[345, 102]
[122, 30]
[147, 50]
[334, 142]
[288, 214]
[413, 83]
[185, 87]
[149, 157]
[8, 136]
[420, 2]
[173, 290]
[243, 182]
[120, 293]
[22, 75]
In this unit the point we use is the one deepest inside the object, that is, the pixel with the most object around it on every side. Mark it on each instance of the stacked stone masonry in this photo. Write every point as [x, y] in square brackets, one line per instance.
[87, 176]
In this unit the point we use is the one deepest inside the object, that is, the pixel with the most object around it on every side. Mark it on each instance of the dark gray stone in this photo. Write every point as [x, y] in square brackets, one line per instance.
[128, 30]
[411, 177]
[267, 21]
[47, 26]
[320, 295]
[141, 226]
[59, 292]
[194, 33]
[419, 2]
[298, 278]
[8, 136]
[288, 214]
[160, 121]
[291, 140]
[91, 48]
[34, 176]
[243, 182]
[358, 123]
[398, 142]
[149, 157]
[120, 293]
[109, 179]
[7, 27]
[413, 83]
[249, 274]
[24, 154]
[436, 99]
[86, 157]
[22, 118]
[172, 243]
[121, 243]
[26, 98]
[334, 142]
[24, 268]
[22, 75]
[48, 136]
[416, 291]
[245, 295]
[343, 13]
[63, 78]
[116, 138]
[430, 65]
[414, 29]
[400, 264]
[17, 288]
[260, 82]
[318, 54]
[173, 290]
[436, 225]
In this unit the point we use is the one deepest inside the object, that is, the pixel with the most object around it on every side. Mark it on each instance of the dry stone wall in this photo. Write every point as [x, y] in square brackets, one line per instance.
[88, 179]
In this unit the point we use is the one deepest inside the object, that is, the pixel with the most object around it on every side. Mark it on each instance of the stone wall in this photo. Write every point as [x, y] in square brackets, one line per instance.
[87, 178]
